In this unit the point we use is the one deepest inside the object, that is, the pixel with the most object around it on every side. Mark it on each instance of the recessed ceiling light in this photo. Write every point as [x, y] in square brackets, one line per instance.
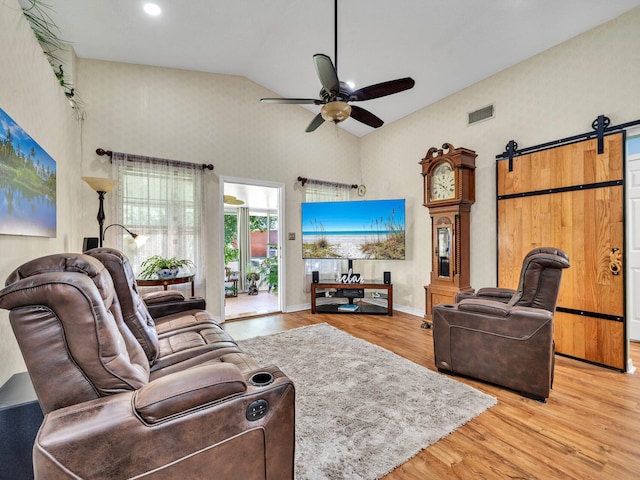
[152, 9]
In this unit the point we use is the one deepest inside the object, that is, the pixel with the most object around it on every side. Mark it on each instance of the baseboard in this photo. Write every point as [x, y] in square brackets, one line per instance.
[409, 310]
[297, 308]
[630, 368]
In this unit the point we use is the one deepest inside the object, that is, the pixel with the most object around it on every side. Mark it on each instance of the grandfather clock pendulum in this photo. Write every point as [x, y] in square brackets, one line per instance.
[449, 192]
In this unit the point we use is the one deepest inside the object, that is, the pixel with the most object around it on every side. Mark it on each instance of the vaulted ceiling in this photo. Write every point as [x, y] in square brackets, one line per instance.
[444, 46]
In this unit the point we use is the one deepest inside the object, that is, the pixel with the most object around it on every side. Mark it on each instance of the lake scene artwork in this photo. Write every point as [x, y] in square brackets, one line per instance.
[27, 183]
[361, 229]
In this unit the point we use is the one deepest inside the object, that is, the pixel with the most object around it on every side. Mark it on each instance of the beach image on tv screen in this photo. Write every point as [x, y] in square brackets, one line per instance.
[364, 229]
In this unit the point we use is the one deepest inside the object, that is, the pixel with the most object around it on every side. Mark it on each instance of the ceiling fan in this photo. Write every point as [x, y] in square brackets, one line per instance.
[336, 95]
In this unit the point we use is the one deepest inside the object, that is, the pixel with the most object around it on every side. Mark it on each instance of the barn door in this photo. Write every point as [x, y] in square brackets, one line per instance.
[572, 198]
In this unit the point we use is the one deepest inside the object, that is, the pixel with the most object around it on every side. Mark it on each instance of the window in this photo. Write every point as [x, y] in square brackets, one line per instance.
[162, 201]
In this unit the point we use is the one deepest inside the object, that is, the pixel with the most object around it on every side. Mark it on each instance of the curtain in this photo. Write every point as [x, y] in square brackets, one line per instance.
[324, 192]
[163, 200]
[244, 247]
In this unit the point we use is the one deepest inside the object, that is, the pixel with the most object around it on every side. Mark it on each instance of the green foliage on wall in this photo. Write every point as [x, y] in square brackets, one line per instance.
[45, 31]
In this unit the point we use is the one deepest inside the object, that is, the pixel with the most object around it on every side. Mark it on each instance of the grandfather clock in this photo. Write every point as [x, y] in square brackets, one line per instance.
[449, 192]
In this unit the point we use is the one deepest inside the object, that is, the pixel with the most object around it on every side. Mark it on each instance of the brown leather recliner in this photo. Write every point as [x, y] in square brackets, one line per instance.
[167, 339]
[106, 416]
[505, 336]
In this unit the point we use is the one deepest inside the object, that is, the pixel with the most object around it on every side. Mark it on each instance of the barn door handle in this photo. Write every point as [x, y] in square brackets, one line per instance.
[615, 261]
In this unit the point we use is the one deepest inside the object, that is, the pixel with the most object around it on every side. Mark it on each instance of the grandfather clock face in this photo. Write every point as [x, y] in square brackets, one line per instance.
[443, 183]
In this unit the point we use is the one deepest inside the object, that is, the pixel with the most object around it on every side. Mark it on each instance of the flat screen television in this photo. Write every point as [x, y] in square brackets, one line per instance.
[360, 229]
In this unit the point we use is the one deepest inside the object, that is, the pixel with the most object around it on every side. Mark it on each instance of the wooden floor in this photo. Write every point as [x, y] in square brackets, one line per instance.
[588, 429]
[245, 305]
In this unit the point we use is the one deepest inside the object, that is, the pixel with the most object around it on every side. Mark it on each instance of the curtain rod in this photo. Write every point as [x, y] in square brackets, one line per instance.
[304, 180]
[600, 126]
[109, 153]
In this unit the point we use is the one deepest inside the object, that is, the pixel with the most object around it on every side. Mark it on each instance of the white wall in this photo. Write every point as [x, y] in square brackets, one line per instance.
[553, 95]
[30, 95]
[208, 118]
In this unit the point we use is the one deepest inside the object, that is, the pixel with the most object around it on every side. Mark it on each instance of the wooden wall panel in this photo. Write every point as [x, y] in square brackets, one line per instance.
[580, 223]
[565, 166]
[590, 338]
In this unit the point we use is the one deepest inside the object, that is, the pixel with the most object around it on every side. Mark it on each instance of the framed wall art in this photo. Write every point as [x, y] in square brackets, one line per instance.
[27, 183]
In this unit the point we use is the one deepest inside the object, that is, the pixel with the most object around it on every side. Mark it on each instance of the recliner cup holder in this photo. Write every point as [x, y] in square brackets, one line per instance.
[261, 379]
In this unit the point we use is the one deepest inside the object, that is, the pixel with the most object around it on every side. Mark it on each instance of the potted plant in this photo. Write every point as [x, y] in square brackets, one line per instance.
[269, 273]
[163, 267]
[230, 255]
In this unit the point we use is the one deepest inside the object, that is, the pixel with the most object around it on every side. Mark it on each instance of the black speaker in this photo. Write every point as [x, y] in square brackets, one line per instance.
[89, 242]
[387, 277]
[315, 276]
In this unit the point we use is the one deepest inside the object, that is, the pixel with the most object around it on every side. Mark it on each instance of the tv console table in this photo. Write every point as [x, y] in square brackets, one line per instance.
[351, 292]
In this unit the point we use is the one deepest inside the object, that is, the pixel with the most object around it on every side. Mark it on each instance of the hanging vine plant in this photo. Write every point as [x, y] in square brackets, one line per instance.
[45, 31]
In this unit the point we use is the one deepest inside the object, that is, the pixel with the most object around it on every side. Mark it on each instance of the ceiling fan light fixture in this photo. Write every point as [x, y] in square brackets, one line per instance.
[335, 112]
[232, 200]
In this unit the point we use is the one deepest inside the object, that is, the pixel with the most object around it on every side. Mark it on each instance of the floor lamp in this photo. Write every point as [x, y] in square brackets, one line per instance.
[102, 186]
[139, 240]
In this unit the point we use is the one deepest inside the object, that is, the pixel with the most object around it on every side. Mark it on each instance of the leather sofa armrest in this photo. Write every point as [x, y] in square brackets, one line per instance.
[488, 293]
[499, 294]
[162, 296]
[107, 438]
[491, 317]
[486, 307]
[188, 389]
[162, 309]
[161, 303]
[462, 295]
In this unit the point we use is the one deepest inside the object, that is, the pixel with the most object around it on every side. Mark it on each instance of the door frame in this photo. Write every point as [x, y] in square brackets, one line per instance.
[633, 232]
[281, 222]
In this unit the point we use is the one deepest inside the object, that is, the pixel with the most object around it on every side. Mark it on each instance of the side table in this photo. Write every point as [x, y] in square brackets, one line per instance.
[158, 282]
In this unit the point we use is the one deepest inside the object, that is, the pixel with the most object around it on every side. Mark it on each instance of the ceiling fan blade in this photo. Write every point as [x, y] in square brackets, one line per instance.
[327, 73]
[382, 89]
[299, 101]
[365, 116]
[315, 123]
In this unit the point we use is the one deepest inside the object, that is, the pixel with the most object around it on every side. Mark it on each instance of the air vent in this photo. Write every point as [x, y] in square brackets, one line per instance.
[479, 115]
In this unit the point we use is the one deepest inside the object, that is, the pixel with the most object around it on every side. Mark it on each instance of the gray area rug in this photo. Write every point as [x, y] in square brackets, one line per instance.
[361, 410]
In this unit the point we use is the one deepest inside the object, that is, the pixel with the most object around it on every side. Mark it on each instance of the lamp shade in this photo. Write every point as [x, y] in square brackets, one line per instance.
[335, 112]
[100, 184]
[232, 200]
